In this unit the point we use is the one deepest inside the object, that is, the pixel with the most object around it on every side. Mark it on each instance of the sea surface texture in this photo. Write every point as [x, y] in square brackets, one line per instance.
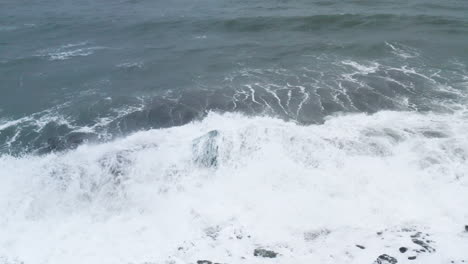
[233, 131]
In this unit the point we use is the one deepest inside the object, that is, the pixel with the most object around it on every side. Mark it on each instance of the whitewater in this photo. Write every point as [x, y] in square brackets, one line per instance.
[354, 188]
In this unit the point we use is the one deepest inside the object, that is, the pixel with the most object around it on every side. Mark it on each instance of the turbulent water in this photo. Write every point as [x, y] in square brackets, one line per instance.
[231, 131]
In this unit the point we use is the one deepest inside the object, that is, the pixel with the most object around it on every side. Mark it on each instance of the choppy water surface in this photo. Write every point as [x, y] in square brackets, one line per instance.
[178, 131]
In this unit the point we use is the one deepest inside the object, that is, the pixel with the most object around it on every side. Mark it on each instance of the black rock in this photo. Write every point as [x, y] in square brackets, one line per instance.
[403, 249]
[466, 228]
[259, 252]
[418, 238]
[385, 259]
[206, 262]
[412, 258]
[361, 247]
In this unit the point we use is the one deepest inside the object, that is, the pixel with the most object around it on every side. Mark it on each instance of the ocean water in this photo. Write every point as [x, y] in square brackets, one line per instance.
[148, 131]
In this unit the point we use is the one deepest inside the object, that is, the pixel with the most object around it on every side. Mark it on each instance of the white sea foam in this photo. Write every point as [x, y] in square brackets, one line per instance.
[182, 194]
[63, 55]
[64, 52]
[363, 69]
[403, 51]
[137, 64]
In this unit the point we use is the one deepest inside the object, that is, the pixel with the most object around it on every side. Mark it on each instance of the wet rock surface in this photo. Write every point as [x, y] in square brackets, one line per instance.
[205, 150]
[423, 241]
[385, 259]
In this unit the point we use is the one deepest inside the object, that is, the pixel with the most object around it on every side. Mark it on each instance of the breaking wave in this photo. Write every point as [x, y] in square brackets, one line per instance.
[220, 187]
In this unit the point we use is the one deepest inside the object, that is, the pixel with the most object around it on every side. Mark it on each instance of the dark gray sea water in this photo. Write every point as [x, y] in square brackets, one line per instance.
[233, 131]
[83, 70]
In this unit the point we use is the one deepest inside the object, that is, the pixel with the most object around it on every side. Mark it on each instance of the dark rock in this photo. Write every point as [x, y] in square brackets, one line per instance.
[361, 247]
[403, 249]
[205, 150]
[412, 258]
[418, 239]
[260, 252]
[206, 262]
[385, 259]
[466, 228]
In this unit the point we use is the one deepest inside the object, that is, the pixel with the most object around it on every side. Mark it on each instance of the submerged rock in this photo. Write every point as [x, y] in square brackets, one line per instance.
[260, 252]
[212, 231]
[205, 150]
[385, 259]
[312, 235]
